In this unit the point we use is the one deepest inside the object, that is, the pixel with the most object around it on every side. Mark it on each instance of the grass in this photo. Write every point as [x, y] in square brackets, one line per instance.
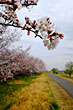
[54, 105]
[66, 77]
[8, 106]
[12, 86]
[36, 96]
[28, 93]
[37, 92]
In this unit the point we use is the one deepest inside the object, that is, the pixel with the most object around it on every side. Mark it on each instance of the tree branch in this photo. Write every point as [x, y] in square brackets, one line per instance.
[3, 3]
[3, 24]
[25, 4]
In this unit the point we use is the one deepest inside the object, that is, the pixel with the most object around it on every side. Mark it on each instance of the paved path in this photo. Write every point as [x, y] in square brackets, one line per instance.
[66, 85]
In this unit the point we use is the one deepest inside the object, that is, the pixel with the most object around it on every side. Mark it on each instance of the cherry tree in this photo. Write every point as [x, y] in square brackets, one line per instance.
[28, 65]
[32, 65]
[42, 28]
[69, 68]
[6, 40]
[5, 66]
[18, 62]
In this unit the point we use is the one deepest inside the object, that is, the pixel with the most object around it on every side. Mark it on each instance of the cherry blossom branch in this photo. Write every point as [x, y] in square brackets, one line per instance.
[24, 4]
[3, 24]
[3, 3]
[43, 26]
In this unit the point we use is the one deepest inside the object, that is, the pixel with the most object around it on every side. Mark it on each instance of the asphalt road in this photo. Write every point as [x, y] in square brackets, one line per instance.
[66, 85]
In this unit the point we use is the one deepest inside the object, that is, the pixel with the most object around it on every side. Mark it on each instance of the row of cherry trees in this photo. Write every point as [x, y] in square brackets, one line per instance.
[15, 62]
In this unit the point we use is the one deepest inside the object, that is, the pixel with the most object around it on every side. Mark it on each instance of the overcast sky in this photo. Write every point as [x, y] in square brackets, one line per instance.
[61, 14]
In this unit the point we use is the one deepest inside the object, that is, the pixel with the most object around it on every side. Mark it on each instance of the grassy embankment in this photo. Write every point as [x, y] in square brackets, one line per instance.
[37, 92]
[64, 76]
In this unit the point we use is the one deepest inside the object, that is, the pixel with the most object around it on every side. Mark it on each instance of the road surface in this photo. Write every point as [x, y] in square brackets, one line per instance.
[66, 85]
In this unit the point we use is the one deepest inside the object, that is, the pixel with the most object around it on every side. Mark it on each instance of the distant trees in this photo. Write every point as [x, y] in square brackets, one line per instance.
[69, 68]
[69, 72]
[55, 70]
[69, 65]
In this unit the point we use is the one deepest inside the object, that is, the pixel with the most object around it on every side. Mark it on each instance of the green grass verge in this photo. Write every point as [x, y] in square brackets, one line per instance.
[8, 89]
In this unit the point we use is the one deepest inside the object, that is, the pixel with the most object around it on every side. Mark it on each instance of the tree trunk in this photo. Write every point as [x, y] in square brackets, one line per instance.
[4, 80]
